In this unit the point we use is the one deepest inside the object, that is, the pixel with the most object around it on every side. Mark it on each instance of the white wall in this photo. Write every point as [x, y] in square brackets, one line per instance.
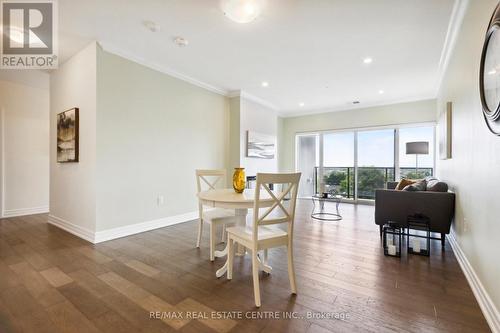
[73, 185]
[257, 118]
[234, 145]
[472, 172]
[153, 131]
[24, 104]
[404, 113]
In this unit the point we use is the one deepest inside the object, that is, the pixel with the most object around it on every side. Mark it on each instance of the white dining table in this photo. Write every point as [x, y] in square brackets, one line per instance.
[241, 203]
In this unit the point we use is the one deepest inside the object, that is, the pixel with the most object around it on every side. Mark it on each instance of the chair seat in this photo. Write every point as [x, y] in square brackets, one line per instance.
[265, 232]
[218, 215]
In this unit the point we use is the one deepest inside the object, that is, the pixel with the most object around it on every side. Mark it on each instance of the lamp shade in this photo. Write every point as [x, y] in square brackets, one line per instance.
[419, 147]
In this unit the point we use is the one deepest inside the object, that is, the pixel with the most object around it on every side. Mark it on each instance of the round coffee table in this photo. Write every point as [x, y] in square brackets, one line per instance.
[321, 214]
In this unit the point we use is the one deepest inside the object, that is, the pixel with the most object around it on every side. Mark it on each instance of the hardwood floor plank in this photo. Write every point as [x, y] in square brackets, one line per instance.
[142, 268]
[56, 277]
[46, 273]
[124, 286]
[91, 283]
[41, 290]
[68, 319]
[88, 304]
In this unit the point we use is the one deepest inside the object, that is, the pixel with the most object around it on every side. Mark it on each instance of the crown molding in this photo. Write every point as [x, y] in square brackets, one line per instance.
[165, 70]
[160, 68]
[456, 19]
[253, 98]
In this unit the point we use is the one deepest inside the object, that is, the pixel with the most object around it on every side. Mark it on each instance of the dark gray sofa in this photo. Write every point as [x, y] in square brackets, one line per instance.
[396, 206]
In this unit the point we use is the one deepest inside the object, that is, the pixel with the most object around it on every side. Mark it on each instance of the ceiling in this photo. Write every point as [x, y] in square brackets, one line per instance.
[309, 51]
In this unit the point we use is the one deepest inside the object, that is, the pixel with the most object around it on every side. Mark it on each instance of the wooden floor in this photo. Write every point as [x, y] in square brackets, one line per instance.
[51, 281]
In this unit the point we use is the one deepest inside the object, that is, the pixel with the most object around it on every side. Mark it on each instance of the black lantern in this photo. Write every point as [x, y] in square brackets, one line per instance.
[392, 239]
[419, 224]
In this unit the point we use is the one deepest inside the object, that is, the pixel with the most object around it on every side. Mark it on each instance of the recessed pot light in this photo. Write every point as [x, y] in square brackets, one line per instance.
[368, 60]
[265, 84]
[301, 104]
[381, 92]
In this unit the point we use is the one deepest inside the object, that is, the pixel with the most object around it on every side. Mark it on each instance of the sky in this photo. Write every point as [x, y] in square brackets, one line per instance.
[376, 148]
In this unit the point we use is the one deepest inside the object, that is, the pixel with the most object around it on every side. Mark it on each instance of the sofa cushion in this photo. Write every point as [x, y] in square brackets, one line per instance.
[434, 185]
[421, 185]
[403, 183]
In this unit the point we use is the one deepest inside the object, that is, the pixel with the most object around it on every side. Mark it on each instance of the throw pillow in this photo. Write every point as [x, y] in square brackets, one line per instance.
[436, 186]
[403, 183]
[421, 185]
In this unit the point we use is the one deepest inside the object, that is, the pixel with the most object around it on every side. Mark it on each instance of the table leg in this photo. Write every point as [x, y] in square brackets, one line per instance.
[241, 218]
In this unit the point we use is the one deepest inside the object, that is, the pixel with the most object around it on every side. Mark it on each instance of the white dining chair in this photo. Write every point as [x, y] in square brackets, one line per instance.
[265, 233]
[210, 180]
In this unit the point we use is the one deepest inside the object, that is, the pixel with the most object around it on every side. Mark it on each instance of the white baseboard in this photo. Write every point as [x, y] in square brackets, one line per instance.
[109, 234]
[25, 211]
[106, 235]
[74, 229]
[487, 306]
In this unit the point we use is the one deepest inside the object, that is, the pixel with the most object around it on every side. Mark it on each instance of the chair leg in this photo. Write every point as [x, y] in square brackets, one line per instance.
[443, 240]
[381, 230]
[200, 231]
[212, 242]
[223, 236]
[255, 271]
[291, 270]
[230, 258]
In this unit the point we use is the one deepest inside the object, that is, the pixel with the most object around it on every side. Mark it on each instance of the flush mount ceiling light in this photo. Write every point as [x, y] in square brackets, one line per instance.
[265, 84]
[302, 104]
[242, 11]
[368, 60]
[181, 41]
[381, 92]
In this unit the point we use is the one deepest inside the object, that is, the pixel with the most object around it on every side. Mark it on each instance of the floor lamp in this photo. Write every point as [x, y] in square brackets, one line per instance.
[417, 148]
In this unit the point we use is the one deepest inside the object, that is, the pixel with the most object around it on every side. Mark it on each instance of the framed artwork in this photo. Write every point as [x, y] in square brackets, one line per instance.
[445, 132]
[67, 136]
[260, 145]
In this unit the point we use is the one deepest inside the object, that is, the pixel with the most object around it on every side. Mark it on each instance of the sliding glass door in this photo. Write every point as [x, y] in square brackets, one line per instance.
[375, 161]
[307, 163]
[338, 163]
[355, 163]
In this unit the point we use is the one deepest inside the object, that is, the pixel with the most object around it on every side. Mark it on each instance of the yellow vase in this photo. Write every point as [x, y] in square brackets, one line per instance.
[239, 180]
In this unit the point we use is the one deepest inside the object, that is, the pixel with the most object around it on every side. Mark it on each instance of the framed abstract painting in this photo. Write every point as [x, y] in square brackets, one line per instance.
[260, 145]
[67, 136]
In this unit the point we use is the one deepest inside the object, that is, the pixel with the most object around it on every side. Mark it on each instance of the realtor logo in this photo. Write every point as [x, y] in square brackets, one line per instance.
[29, 39]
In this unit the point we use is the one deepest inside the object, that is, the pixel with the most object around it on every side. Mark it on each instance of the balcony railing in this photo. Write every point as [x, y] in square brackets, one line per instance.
[342, 179]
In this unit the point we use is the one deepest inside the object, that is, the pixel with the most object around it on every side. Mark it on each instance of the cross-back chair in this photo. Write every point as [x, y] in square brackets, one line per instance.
[210, 180]
[265, 233]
